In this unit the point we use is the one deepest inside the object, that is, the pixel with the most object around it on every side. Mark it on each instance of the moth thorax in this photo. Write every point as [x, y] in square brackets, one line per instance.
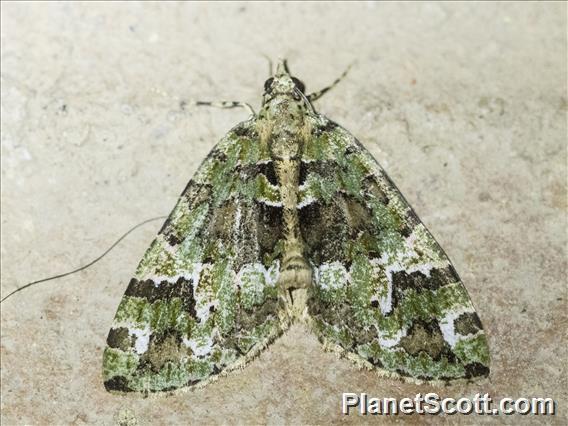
[284, 146]
[285, 111]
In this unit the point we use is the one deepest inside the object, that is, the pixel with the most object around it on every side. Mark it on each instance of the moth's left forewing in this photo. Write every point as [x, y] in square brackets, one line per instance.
[384, 290]
[203, 299]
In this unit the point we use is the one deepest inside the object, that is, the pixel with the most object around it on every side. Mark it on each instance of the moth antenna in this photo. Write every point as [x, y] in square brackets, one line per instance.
[88, 264]
[316, 95]
[228, 105]
[270, 65]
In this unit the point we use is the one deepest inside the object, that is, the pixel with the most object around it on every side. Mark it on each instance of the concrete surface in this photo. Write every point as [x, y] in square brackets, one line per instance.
[464, 105]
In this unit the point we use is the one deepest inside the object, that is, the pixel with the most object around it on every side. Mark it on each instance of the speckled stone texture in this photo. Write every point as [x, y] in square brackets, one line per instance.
[463, 104]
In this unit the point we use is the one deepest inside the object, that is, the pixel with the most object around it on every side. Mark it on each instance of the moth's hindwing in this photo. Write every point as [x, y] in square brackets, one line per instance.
[204, 296]
[384, 291]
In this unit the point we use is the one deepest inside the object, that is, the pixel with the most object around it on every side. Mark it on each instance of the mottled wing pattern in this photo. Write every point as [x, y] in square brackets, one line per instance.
[204, 296]
[384, 291]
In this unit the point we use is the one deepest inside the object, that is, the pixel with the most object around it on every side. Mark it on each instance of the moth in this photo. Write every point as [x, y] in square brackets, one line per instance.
[290, 219]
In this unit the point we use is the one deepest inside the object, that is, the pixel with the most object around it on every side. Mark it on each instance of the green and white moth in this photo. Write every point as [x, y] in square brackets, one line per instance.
[290, 219]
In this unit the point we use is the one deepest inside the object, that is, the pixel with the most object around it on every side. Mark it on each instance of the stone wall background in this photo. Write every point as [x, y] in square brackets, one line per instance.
[464, 104]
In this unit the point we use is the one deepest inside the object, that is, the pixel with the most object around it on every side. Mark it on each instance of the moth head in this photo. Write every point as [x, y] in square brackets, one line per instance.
[283, 83]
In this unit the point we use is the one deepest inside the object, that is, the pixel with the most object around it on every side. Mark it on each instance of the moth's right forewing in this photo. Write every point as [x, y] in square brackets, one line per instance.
[384, 290]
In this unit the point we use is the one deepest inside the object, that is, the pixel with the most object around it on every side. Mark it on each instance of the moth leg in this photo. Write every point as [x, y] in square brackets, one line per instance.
[228, 104]
[316, 95]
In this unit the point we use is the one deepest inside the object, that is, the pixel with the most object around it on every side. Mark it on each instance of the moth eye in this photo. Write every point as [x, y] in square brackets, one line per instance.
[267, 84]
[299, 84]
